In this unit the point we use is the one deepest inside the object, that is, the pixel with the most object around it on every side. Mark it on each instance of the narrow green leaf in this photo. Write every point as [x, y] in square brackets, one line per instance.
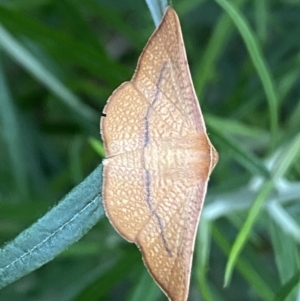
[286, 253]
[282, 163]
[294, 120]
[203, 241]
[75, 158]
[286, 157]
[234, 127]
[282, 218]
[261, 14]
[249, 273]
[241, 154]
[18, 52]
[258, 61]
[114, 19]
[65, 48]
[60, 227]
[289, 287]
[245, 231]
[100, 287]
[157, 9]
[97, 146]
[11, 131]
[145, 284]
[213, 51]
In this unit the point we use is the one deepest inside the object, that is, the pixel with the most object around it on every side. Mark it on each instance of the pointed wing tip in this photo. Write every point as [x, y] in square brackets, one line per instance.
[171, 294]
[170, 12]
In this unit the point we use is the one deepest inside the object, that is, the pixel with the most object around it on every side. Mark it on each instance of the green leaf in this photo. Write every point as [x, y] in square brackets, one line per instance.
[157, 9]
[246, 229]
[17, 51]
[288, 288]
[258, 61]
[245, 268]
[145, 284]
[12, 134]
[286, 253]
[122, 266]
[240, 153]
[97, 146]
[282, 163]
[54, 232]
[213, 51]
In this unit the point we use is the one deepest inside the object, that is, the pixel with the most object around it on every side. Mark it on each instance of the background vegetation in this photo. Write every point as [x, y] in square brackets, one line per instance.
[60, 61]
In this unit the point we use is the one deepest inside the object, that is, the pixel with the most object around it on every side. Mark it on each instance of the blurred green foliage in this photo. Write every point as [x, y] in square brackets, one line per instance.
[60, 61]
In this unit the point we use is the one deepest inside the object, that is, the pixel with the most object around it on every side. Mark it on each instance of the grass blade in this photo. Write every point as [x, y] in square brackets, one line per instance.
[19, 53]
[259, 63]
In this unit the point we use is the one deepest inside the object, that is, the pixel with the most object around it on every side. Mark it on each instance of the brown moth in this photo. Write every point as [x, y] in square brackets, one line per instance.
[159, 159]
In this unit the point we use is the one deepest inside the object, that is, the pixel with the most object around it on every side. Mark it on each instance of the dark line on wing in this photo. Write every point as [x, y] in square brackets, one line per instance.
[147, 173]
[178, 107]
[146, 118]
[159, 221]
[161, 227]
[147, 176]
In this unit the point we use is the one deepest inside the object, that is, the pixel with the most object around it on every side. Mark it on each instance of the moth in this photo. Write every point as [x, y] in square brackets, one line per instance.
[159, 159]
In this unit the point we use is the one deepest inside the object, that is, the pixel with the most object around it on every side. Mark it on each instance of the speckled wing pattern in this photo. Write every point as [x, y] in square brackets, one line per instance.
[159, 159]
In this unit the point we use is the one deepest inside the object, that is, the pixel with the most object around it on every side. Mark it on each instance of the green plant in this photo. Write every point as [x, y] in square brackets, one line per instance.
[59, 62]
